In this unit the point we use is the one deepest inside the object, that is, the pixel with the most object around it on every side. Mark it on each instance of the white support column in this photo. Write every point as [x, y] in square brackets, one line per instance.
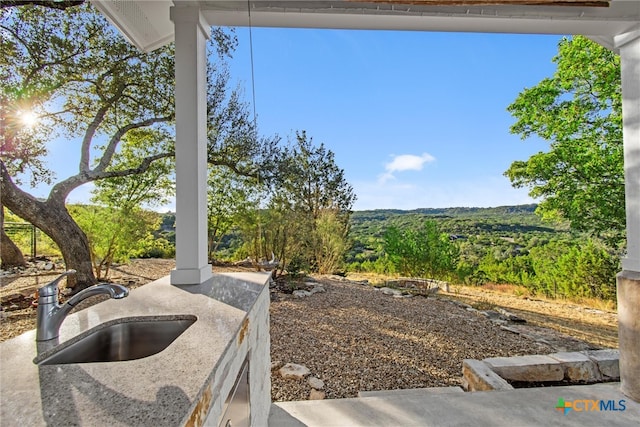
[628, 281]
[630, 60]
[191, 34]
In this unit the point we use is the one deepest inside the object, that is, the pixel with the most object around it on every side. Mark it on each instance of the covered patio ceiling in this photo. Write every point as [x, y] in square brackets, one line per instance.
[148, 26]
[151, 24]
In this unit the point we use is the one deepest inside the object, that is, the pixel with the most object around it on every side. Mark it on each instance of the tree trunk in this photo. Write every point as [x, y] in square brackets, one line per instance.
[51, 216]
[10, 254]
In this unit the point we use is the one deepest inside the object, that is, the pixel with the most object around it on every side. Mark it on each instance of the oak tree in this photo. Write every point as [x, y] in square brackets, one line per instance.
[311, 204]
[578, 111]
[89, 87]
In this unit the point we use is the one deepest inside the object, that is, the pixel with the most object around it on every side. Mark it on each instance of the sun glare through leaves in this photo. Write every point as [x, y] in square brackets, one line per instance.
[28, 118]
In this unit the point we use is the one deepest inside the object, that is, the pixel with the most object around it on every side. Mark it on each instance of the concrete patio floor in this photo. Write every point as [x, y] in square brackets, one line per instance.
[520, 407]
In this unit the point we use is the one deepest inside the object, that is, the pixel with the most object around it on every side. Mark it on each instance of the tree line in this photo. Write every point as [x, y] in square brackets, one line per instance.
[504, 248]
[288, 200]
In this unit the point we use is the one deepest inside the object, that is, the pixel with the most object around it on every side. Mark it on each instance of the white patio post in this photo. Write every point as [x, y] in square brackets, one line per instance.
[629, 279]
[191, 34]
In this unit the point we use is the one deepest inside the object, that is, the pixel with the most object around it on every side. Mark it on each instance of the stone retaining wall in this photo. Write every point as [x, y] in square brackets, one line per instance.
[590, 366]
[251, 343]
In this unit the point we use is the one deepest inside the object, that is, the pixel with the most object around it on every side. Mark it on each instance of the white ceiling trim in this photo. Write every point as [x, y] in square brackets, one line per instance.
[146, 23]
[444, 23]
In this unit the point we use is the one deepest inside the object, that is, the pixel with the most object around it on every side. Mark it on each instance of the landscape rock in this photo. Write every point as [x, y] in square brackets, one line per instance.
[478, 376]
[577, 366]
[607, 361]
[433, 291]
[490, 314]
[510, 316]
[428, 285]
[316, 394]
[317, 289]
[510, 329]
[294, 371]
[527, 368]
[390, 291]
[299, 293]
[275, 365]
[337, 278]
[316, 383]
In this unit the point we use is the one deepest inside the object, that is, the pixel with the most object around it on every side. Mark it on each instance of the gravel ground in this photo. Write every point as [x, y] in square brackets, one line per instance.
[355, 338]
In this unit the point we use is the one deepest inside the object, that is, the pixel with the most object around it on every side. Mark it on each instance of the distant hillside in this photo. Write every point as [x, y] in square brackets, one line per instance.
[449, 212]
[506, 244]
[506, 227]
[502, 220]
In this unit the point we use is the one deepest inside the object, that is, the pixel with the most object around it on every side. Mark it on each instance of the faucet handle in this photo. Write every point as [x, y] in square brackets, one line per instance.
[51, 288]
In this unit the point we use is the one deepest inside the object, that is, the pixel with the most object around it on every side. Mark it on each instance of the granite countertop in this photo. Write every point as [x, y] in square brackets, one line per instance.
[159, 390]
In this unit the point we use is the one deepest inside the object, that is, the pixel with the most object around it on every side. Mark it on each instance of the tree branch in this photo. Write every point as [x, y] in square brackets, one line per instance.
[142, 168]
[42, 65]
[115, 140]
[85, 155]
[237, 170]
[63, 188]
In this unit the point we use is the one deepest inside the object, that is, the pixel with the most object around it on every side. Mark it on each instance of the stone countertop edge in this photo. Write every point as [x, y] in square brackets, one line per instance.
[159, 390]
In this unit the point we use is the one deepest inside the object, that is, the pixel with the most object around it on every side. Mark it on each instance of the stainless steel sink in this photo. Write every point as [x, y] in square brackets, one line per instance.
[128, 339]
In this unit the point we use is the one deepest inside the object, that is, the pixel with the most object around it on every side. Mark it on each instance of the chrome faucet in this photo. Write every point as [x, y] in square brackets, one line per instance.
[51, 313]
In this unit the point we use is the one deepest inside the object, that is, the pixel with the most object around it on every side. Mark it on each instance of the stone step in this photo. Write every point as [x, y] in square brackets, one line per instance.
[411, 392]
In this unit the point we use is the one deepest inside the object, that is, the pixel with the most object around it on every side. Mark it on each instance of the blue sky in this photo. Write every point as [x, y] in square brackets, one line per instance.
[415, 119]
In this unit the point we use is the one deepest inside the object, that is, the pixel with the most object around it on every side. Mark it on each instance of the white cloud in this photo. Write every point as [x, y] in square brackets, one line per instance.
[404, 162]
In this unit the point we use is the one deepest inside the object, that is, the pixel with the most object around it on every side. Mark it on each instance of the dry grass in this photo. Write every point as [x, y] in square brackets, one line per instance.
[507, 289]
[597, 325]
[521, 291]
